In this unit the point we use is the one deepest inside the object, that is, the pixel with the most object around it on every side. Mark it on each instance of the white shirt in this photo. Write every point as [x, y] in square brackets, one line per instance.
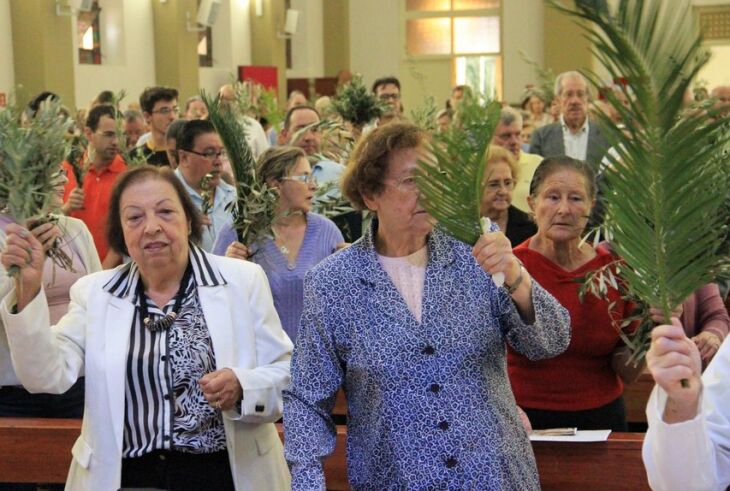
[576, 144]
[692, 455]
[408, 274]
[255, 136]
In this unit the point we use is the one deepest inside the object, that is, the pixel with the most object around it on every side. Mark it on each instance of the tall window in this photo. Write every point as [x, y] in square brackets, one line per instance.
[89, 35]
[468, 32]
[205, 46]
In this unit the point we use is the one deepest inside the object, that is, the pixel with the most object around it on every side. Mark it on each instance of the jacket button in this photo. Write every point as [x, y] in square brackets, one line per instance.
[435, 387]
[259, 408]
[451, 462]
[428, 350]
[444, 425]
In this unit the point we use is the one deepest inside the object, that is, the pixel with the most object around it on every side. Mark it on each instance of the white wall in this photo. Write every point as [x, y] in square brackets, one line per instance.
[128, 60]
[7, 74]
[375, 44]
[308, 42]
[231, 45]
[522, 30]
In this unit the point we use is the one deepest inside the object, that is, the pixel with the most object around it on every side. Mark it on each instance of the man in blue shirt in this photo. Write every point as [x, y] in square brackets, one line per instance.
[201, 154]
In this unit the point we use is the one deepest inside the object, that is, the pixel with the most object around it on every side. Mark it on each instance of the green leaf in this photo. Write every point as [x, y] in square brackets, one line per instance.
[668, 186]
[451, 187]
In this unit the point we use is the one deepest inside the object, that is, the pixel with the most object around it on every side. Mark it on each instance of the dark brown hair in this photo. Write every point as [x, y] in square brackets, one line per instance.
[554, 164]
[114, 232]
[151, 95]
[369, 161]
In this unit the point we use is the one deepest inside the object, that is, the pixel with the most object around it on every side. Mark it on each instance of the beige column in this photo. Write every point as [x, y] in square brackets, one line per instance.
[336, 22]
[176, 48]
[267, 48]
[43, 57]
[565, 45]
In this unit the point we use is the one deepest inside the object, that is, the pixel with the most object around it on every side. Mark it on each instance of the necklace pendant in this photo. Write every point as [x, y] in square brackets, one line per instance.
[284, 250]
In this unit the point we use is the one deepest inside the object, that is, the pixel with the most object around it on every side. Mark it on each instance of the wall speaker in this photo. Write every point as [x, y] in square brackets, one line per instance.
[208, 12]
[292, 19]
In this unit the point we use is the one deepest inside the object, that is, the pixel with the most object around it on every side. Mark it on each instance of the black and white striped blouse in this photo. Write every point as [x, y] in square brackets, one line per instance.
[165, 408]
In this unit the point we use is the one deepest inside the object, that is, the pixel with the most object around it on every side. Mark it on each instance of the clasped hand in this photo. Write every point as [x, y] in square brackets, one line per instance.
[221, 389]
[493, 252]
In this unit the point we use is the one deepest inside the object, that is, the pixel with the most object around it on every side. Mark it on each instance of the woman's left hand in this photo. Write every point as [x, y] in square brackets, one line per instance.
[46, 233]
[221, 389]
[493, 252]
[708, 343]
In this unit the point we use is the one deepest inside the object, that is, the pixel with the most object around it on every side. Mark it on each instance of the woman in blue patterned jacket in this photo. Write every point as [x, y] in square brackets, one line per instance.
[409, 322]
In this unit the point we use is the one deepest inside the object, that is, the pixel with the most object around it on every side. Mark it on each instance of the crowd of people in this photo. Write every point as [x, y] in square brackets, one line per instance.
[180, 346]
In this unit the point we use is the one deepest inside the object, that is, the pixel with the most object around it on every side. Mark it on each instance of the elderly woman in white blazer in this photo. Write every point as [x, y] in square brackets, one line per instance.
[183, 352]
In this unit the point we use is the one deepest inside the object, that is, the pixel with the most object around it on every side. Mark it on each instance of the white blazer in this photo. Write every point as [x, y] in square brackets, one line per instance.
[93, 338]
[78, 237]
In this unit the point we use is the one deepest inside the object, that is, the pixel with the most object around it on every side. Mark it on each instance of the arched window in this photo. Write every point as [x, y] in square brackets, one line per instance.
[89, 35]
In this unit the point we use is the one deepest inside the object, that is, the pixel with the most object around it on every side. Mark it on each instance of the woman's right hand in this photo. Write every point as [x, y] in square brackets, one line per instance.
[238, 251]
[25, 251]
[672, 358]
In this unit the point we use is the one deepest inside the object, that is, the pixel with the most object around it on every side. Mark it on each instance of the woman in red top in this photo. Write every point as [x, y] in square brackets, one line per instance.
[581, 387]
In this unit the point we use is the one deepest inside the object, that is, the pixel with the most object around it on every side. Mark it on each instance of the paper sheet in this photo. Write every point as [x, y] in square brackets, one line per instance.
[580, 436]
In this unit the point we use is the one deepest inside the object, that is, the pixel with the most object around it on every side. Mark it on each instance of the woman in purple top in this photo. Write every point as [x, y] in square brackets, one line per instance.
[301, 239]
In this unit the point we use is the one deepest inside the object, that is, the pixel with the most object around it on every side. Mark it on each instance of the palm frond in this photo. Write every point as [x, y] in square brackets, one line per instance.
[255, 205]
[451, 190]
[667, 183]
[355, 104]
[545, 77]
[425, 116]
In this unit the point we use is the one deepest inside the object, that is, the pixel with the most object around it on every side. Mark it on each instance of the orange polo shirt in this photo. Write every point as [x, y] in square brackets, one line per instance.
[97, 193]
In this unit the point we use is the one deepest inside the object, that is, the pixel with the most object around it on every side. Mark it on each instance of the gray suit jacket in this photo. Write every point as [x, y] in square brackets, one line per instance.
[548, 142]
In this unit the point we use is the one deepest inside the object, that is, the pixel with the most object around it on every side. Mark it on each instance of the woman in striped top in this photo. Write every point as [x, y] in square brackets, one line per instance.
[301, 239]
[184, 364]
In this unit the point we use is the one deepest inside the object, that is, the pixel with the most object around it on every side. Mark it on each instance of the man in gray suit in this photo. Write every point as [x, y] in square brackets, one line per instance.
[574, 135]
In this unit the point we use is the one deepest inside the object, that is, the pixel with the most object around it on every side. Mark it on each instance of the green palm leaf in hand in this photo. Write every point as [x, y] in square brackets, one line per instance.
[451, 190]
[667, 182]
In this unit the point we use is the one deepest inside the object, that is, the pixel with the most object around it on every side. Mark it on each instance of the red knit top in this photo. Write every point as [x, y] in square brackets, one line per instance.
[580, 378]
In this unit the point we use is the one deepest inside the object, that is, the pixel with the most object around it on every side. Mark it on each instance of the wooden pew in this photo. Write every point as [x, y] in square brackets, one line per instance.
[36, 450]
[39, 450]
[612, 465]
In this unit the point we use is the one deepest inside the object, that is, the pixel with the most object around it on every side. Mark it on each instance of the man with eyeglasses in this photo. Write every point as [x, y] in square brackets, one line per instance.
[507, 135]
[200, 155]
[574, 135]
[159, 107]
[101, 168]
[387, 89]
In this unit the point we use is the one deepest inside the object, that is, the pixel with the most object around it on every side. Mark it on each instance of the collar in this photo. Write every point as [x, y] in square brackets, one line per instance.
[440, 250]
[223, 187]
[205, 273]
[583, 129]
[117, 166]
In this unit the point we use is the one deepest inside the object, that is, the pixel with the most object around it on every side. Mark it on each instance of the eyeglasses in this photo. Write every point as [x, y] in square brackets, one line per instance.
[507, 184]
[406, 184]
[167, 110]
[210, 154]
[578, 93]
[385, 97]
[305, 178]
[509, 135]
[60, 173]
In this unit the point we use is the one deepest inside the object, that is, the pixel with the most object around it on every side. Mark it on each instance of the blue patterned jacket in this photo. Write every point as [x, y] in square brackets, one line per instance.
[430, 405]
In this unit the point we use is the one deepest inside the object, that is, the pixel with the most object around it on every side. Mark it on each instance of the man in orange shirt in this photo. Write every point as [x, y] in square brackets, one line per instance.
[102, 166]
